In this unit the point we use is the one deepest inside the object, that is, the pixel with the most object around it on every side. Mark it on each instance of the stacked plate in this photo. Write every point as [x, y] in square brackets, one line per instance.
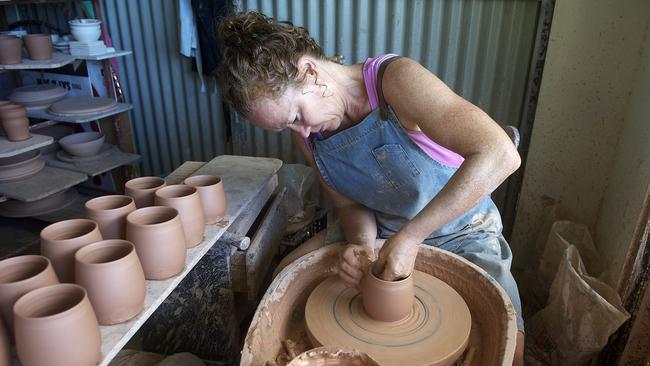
[57, 201]
[82, 106]
[89, 48]
[37, 96]
[20, 166]
[62, 46]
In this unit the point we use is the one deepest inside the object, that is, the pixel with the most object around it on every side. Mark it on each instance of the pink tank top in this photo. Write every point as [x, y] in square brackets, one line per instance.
[435, 151]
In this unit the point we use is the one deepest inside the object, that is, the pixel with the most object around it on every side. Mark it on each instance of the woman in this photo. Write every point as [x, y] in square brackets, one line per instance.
[402, 157]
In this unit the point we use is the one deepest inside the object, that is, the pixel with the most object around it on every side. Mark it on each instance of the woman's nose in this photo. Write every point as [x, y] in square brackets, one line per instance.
[303, 130]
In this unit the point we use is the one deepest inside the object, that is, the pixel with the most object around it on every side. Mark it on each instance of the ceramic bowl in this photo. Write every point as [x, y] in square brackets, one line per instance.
[37, 96]
[20, 166]
[86, 34]
[83, 143]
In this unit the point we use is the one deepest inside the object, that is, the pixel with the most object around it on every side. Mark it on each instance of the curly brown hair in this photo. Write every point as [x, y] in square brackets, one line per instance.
[260, 58]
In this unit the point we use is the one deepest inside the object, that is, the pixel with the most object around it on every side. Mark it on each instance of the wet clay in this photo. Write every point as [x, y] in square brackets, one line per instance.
[333, 356]
[281, 312]
[434, 332]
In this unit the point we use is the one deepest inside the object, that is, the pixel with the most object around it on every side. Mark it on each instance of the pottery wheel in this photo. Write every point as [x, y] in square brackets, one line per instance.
[436, 331]
[82, 105]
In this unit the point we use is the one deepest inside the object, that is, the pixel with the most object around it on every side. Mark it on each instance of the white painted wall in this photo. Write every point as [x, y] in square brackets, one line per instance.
[587, 108]
[630, 176]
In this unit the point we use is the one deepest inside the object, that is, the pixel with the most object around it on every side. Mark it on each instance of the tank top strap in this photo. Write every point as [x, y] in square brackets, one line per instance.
[383, 106]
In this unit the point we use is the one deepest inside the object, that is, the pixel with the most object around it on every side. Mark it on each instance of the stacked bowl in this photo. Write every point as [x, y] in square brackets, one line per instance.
[85, 30]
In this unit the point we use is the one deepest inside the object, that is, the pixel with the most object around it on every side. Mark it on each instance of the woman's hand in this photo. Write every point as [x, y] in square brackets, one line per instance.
[354, 262]
[397, 257]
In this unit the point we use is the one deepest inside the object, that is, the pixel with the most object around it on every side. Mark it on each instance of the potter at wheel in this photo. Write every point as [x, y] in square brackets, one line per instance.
[435, 332]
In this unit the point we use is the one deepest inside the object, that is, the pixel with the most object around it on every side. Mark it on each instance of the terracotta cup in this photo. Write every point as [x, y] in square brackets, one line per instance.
[56, 326]
[15, 123]
[10, 50]
[143, 189]
[5, 350]
[186, 200]
[157, 234]
[212, 194]
[386, 301]
[60, 241]
[18, 276]
[111, 273]
[39, 46]
[109, 212]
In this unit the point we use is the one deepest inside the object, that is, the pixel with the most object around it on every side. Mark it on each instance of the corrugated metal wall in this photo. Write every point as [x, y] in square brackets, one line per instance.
[480, 48]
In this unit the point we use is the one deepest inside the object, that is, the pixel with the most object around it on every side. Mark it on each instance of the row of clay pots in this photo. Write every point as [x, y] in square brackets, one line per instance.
[39, 47]
[15, 123]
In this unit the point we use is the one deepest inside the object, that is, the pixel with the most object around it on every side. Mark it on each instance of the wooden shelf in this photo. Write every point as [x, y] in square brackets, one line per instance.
[13, 148]
[113, 159]
[104, 56]
[242, 177]
[59, 59]
[43, 114]
[45, 183]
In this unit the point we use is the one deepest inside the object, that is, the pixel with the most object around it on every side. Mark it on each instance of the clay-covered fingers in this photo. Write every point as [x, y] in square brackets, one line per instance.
[349, 267]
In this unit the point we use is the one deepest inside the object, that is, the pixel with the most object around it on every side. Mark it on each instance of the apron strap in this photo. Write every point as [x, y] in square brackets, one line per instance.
[383, 106]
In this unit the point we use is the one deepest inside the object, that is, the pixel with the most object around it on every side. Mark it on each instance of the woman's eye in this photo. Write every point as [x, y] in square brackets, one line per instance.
[295, 120]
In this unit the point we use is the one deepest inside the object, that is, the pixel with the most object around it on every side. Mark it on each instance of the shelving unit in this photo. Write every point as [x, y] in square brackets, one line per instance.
[59, 175]
[43, 114]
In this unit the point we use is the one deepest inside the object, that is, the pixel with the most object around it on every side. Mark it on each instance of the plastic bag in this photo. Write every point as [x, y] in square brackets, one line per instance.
[581, 313]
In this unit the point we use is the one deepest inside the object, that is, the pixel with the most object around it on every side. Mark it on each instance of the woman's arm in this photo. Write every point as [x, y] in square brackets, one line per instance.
[422, 101]
[357, 221]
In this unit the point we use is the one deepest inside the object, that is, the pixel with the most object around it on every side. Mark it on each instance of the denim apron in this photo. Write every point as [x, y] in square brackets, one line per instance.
[376, 164]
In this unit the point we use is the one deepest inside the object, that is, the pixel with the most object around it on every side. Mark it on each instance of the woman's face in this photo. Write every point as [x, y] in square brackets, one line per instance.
[304, 109]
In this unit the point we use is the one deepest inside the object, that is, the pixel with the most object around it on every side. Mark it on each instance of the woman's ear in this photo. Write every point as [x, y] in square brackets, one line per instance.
[307, 66]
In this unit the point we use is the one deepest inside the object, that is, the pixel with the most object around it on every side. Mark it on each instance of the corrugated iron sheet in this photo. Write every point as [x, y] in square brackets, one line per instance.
[480, 48]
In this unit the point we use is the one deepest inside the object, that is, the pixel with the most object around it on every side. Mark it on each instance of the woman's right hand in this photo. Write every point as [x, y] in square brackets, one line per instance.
[354, 262]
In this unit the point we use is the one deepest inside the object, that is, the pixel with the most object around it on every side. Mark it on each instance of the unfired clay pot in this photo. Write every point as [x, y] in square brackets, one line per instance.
[186, 200]
[18, 276]
[10, 50]
[60, 241]
[387, 301]
[212, 194]
[157, 234]
[143, 189]
[111, 273]
[5, 350]
[14, 121]
[109, 212]
[56, 326]
[39, 46]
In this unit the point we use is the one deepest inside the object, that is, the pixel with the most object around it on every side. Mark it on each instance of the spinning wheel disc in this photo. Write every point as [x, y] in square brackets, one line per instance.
[435, 332]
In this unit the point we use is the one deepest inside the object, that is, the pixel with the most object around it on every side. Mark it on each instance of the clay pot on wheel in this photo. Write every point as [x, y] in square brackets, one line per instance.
[56, 326]
[212, 194]
[18, 276]
[39, 46]
[157, 234]
[10, 50]
[186, 200]
[143, 189]
[60, 241]
[111, 273]
[386, 301]
[14, 121]
[109, 212]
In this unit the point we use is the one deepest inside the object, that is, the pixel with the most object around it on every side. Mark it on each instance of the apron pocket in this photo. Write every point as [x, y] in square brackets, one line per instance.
[396, 166]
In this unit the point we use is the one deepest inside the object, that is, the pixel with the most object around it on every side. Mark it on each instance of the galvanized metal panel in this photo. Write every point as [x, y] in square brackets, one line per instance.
[480, 48]
[173, 119]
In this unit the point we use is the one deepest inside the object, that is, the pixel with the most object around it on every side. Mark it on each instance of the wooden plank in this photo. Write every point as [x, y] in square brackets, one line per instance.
[252, 211]
[13, 148]
[45, 183]
[185, 170]
[43, 114]
[58, 59]
[113, 159]
[264, 244]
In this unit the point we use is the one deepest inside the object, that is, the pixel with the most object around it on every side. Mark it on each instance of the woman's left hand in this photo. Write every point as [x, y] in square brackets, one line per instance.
[397, 257]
